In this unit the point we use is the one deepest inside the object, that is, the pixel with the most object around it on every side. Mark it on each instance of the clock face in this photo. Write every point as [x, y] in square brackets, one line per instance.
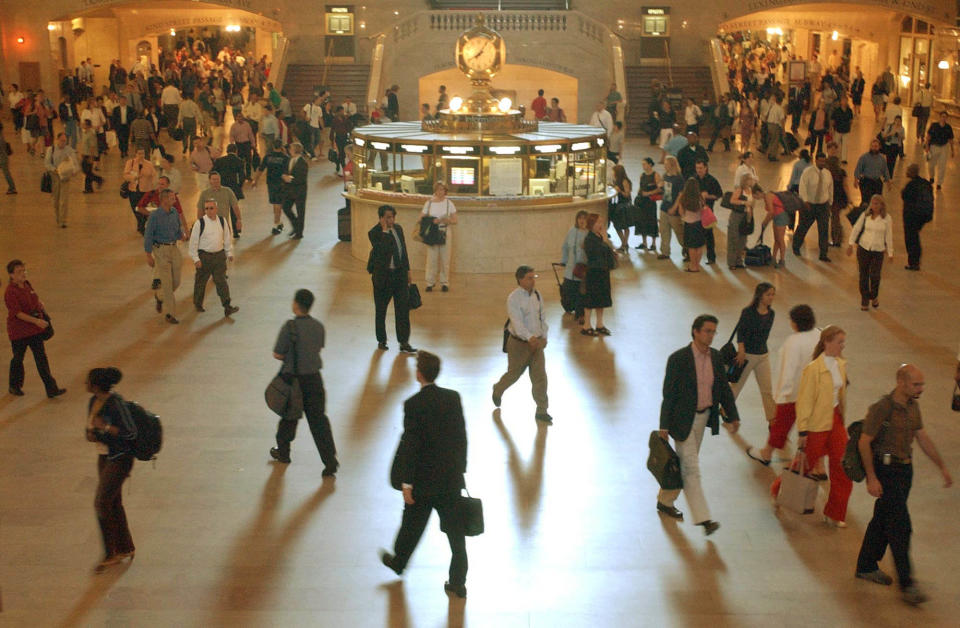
[479, 53]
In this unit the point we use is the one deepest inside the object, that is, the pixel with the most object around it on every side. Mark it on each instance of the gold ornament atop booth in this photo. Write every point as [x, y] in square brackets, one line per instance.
[480, 54]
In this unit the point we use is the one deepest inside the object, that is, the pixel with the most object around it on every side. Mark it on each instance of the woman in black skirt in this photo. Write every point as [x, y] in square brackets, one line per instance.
[596, 283]
[620, 205]
[651, 191]
[688, 207]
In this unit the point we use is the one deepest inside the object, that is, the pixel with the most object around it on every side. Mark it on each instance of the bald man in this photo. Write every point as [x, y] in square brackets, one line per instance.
[885, 446]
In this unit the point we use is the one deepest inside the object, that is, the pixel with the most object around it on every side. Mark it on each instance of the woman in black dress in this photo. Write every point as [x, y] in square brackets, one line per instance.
[651, 191]
[596, 283]
[620, 205]
[856, 91]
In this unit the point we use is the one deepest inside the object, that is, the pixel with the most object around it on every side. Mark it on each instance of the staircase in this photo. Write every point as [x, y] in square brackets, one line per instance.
[341, 79]
[692, 80]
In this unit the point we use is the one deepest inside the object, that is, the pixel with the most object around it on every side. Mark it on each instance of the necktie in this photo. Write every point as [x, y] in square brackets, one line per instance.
[398, 255]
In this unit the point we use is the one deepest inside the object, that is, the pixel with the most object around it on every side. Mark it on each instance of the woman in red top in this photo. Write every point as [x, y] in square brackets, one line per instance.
[25, 327]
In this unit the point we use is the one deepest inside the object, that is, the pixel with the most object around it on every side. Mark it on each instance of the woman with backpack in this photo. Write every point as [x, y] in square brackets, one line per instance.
[110, 425]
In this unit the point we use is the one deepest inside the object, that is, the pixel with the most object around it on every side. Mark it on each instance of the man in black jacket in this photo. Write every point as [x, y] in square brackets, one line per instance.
[389, 267]
[122, 117]
[428, 468]
[295, 189]
[694, 388]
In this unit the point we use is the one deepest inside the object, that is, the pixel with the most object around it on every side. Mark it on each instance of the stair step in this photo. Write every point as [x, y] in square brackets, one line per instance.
[691, 80]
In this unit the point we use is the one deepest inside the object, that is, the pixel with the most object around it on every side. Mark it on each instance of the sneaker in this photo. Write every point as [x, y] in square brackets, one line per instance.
[911, 594]
[277, 229]
[876, 576]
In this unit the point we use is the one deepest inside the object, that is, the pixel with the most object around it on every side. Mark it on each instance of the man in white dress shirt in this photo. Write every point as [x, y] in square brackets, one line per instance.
[526, 338]
[602, 118]
[211, 245]
[816, 192]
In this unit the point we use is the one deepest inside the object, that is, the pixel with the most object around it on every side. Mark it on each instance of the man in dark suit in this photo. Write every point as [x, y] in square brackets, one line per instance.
[428, 468]
[390, 269]
[694, 389]
[295, 189]
[122, 117]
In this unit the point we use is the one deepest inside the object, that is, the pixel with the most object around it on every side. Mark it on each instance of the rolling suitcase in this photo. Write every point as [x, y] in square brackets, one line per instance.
[343, 224]
[568, 290]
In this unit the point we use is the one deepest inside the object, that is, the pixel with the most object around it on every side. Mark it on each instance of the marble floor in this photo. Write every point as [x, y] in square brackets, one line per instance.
[225, 537]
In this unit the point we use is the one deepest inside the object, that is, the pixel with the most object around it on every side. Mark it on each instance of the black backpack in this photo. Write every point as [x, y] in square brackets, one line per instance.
[852, 461]
[923, 207]
[149, 436]
[223, 225]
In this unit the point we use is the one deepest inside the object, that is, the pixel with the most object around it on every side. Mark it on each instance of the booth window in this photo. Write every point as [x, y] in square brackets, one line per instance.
[656, 25]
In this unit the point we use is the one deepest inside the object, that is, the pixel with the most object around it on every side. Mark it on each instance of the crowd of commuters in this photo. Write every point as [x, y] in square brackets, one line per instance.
[188, 97]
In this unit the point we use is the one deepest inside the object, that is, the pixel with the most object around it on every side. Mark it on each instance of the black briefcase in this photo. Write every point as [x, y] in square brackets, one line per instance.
[469, 515]
[664, 463]
[413, 299]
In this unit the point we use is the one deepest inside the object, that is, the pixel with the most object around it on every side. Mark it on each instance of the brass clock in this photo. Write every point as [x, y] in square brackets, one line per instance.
[480, 53]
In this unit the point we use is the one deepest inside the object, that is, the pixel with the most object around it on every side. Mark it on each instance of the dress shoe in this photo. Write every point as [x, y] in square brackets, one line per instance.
[107, 563]
[754, 453]
[406, 348]
[457, 589]
[155, 284]
[662, 256]
[543, 417]
[876, 576]
[158, 304]
[670, 511]
[911, 268]
[387, 559]
[834, 523]
[709, 526]
[199, 308]
[172, 319]
[875, 303]
[279, 456]
[276, 230]
[11, 191]
[56, 393]
[496, 398]
[446, 288]
[911, 594]
[824, 258]
[382, 346]
[330, 472]
[428, 289]
[15, 391]
[796, 251]
[230, 309]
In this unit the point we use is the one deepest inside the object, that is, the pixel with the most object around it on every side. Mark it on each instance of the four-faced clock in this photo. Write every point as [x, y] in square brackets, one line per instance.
[479, 54]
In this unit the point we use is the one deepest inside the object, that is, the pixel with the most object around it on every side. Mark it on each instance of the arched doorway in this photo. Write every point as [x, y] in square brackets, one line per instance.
[518, 82]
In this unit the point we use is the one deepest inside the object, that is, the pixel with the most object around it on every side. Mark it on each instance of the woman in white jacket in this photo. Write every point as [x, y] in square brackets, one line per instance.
[872, 234]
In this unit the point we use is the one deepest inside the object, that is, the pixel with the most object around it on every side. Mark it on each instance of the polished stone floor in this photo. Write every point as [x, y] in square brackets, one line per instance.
[225, 537]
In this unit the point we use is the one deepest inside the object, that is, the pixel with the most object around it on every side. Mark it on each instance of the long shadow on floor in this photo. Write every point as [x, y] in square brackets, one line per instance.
[100, 586]
[259, 553]
[698, 597]
[527, 481]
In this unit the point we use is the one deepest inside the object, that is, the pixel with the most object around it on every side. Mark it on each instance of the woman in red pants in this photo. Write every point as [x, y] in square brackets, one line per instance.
[821, 399]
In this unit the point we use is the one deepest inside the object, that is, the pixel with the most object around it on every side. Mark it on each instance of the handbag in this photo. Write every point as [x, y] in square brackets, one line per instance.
[430, 233]
[664, 463]
[728, 352]
[707, 218]
[46, 182]
[854, 214]
[797, 491]
[47, 333]
[955, 404]
[579, 271]
[125, 189]
[111, 138]
[727, 201]
[333, 156]
[413, 297]
[735, 371]
[747, 225]
[176, 134]
[283, 395]
[467, 514]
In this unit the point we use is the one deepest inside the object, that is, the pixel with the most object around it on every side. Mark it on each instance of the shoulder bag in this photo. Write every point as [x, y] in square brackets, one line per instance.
[47, 333]
[728, 352]
[707, 218]
[747, 225]
[285, 397]
[46, 182]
